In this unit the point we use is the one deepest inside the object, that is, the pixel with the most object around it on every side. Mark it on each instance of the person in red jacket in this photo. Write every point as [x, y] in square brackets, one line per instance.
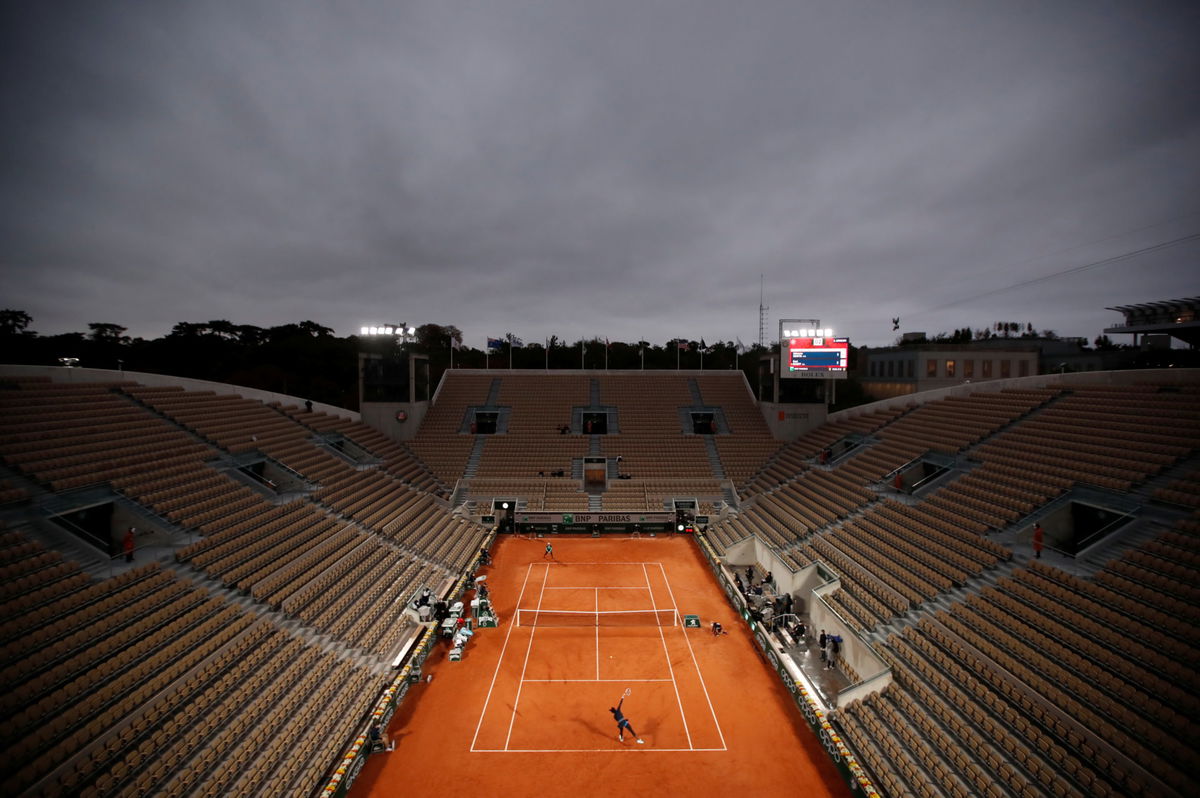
[128, 545]
[1038, 540]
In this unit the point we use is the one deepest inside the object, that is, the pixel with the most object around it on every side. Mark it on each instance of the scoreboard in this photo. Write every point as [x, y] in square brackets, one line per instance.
[809, 351]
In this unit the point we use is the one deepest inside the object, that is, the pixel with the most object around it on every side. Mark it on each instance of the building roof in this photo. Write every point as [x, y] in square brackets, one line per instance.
[1177, 317]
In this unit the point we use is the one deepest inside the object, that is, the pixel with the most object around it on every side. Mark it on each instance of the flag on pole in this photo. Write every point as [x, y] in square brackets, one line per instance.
[684, 345]
[513, 343]
[495, 344]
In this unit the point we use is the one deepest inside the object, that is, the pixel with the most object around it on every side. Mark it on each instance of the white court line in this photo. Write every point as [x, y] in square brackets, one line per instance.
[699, 675]
[639, 562]
[585, 587]
[500, 661]
[524, 665]
[593, 681]
[667, 654]
[628, 750]
[597, 635]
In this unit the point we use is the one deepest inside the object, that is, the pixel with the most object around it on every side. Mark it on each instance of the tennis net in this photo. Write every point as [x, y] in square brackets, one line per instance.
[668, 617]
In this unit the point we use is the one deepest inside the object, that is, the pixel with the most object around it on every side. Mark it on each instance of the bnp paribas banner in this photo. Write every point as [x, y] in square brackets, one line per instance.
[583, 519]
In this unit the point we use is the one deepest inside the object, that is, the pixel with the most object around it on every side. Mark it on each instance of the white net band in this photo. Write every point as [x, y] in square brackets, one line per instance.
[592, 618]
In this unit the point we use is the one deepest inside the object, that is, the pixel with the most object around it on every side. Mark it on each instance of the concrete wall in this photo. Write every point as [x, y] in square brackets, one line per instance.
[796, 419]
[60, 374]
[857, 653]
[382, 416]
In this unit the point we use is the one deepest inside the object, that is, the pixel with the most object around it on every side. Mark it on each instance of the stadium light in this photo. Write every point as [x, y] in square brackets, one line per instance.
[807, 332]
[402, 331]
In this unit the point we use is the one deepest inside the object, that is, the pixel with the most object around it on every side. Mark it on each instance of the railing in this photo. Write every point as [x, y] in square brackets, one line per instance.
[1102, 533]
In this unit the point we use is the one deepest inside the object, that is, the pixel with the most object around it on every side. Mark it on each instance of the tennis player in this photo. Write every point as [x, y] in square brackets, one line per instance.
[623, 722]
[549, 552]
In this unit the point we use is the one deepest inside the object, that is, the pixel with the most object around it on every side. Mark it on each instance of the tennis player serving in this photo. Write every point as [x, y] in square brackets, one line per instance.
[622, 721]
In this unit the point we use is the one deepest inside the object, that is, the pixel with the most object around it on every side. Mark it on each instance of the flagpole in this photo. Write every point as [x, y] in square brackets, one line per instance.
[547, 354]
[606, 354]
[510, 348]
[677, 348]
[580, 354]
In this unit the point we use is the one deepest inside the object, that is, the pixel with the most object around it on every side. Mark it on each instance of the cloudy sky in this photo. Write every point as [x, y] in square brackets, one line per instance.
[620, 169]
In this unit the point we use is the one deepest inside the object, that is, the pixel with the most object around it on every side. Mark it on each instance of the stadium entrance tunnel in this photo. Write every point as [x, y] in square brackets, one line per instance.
[594, 423]
[840, 448]
[93, 525]
[922, 472]
[1086, 525]
[348, 450]
[485, 421]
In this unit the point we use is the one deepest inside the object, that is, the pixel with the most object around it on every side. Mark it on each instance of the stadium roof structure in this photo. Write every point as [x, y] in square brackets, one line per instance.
[1176, 317]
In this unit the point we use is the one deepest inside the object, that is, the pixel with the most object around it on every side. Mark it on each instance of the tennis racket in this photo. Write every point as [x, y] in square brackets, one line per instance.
[628, 690]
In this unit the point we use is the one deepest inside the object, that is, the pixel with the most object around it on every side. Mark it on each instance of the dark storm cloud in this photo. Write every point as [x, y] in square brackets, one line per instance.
[619, 169]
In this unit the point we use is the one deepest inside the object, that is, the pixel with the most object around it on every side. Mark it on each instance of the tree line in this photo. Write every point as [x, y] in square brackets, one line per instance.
[306, 359]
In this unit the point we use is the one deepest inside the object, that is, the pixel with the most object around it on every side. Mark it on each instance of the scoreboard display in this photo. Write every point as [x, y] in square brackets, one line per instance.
[812, 352]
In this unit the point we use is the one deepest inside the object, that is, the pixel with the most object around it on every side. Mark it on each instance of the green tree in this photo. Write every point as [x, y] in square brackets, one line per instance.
[14, 322]
[108, 334]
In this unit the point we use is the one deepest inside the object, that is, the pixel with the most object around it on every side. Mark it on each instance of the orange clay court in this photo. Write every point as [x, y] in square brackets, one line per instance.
[525, 712]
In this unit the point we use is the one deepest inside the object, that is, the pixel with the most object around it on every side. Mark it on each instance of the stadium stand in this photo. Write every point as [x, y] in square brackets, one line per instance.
[243, 650]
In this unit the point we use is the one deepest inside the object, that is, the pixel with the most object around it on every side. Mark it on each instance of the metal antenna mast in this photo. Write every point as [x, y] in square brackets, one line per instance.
[762, 315]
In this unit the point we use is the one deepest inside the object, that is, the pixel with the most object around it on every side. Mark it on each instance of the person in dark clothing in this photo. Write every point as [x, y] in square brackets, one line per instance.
[822, 641]
[623, 723]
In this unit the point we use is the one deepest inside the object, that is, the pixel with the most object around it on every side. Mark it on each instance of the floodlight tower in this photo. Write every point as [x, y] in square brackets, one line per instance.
[393, 380]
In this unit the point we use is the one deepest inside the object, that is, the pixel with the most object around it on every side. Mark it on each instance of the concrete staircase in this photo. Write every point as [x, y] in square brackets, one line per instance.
[475, 456]
[714, 457]
[493, 397]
